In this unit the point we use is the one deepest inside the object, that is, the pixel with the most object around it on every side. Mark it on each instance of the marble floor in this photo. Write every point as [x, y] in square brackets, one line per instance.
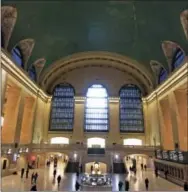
[45, 182]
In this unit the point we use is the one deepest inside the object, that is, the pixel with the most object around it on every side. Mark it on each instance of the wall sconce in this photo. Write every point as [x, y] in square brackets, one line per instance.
[2, 121]
[9, 151]
[27, 150]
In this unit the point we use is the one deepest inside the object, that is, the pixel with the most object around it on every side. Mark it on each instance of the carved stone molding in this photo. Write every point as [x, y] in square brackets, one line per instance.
[97, 58]
[26, 47]
[8, 20]
[169, 49]
[39, 65]
[184, 22]
[156, 68]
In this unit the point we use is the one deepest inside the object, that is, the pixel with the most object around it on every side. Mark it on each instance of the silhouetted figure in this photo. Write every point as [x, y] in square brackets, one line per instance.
[156, 172]
[27, 173]
[36, 177]
[77, 186]
[166, 173]
[59, 179]
[120, 185]
[22, 172]
[91, 168]
[32, 177]
[185, 186]
[145, 167]
[77, 173]
[146, 183]
[126, 185]
[54, 173]
[142, 166]
[33, 188]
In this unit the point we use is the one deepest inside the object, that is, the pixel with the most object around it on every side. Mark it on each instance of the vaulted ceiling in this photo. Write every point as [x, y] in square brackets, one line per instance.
[134, 29]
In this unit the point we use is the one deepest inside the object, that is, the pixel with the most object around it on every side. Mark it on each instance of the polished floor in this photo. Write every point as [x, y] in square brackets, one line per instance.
[45, 182]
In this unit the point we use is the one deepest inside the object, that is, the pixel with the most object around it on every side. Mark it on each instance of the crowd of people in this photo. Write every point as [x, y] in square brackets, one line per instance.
[122, 186]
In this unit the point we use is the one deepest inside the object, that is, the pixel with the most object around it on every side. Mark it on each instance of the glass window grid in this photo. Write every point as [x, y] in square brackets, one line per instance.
[96, 119]
[178, 58]
[162, 75]
[62, 113]
[131, 114]
[17, 57]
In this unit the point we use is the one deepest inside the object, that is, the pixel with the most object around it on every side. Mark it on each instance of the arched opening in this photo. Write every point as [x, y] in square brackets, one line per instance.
[96, 109]
[59, 140]
[96, 168]
[162, 75]
[178, 58]
[17, 56]
[96, 142]
[32, 73]
[62, 112]
[131, 112]
[132, 142]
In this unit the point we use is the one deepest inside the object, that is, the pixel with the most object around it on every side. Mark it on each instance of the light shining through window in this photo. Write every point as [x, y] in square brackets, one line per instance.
[96, 109]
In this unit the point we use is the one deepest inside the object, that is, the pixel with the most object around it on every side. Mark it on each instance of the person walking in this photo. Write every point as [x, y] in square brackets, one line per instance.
[27, 173]
[126, 185]
[33, 188]
[142, 166]
[120, 185]
[77, 186]
[166, 173]
[185, 186]
[77, 173]
[156, 172]
[22, 172]
[54, 173]
[147, 184]
[59, 179]
[145, 167]
[36, 177]
[32, 177]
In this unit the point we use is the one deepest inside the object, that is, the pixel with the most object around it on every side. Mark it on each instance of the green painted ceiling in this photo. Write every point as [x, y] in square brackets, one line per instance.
[61, 28]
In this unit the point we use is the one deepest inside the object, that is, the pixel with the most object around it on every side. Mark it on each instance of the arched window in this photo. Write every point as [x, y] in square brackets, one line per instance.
[96, 109]
[131, 114]
[17, 57]
[32, 73]
[177, 58]
[162, 75]
[62, 112]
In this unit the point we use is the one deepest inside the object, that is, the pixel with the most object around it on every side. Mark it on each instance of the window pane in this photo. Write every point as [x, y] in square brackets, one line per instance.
[178, 58]
[131, 114]
[162, 75]
[96, 109]
[62, 114]
[17, 57]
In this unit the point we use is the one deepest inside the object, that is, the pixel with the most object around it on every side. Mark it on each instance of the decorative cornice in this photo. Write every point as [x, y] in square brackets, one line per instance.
[22, 77]
[26, 47]
[8, 21]
[184, 22]
[102, 59]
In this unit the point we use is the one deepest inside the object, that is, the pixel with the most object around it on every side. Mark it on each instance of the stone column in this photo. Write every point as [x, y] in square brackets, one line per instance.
[11, 115]
[147, 128]
[173, 113]
[78, 129]
[26, 127]
[46, 121]
[19, 118]
[3, 87]
[114, 132]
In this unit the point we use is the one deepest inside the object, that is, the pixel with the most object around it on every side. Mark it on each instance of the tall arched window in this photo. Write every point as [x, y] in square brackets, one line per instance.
[32, 73]
[17, 57]
[162, 75]
[62, 112]
[96, 109]
[131, 113]
[177, 58]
